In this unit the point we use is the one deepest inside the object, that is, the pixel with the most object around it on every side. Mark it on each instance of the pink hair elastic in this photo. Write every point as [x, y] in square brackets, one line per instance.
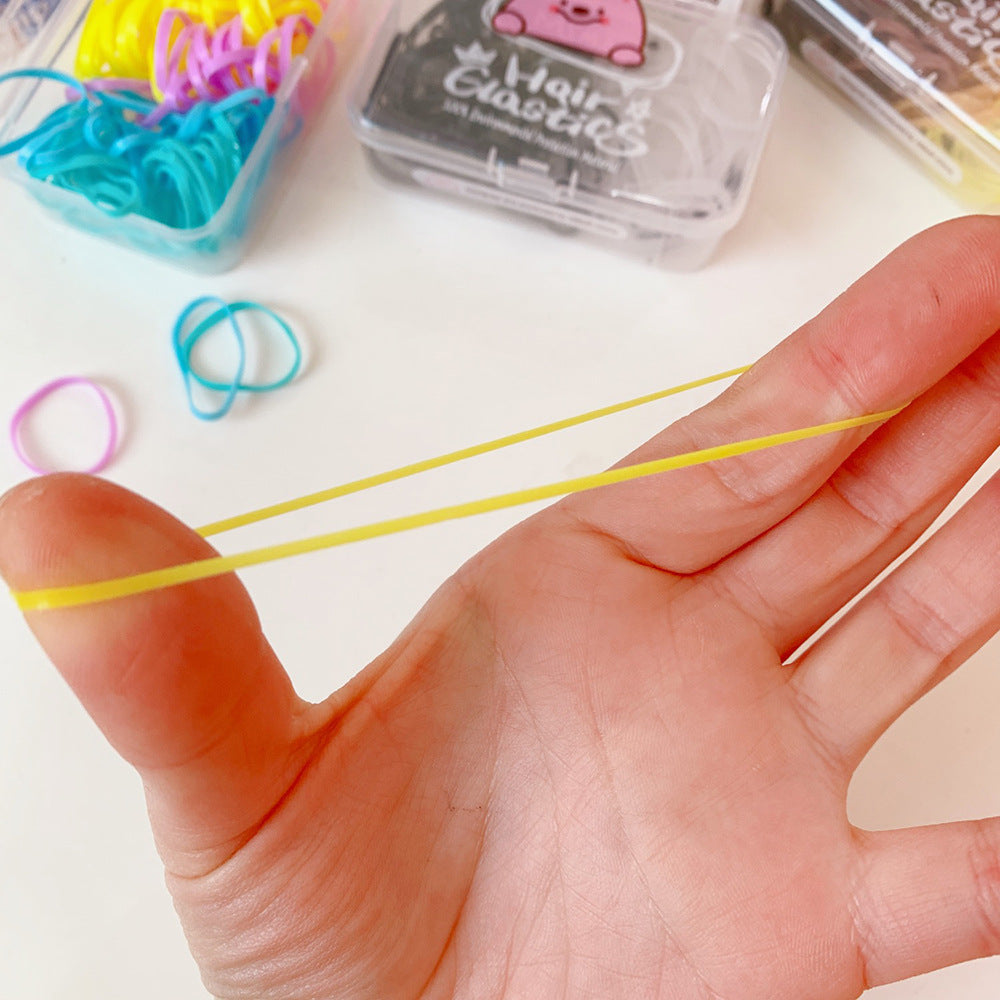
[192, 63]
[47, 390]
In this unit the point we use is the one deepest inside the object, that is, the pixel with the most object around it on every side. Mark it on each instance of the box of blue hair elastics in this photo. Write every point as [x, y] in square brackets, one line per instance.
[163, 130]
[635, 123]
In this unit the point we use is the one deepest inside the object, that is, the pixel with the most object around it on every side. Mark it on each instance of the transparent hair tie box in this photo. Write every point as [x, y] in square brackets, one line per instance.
[21, 24]
[925, 73]
[645, 136]
[45, 34]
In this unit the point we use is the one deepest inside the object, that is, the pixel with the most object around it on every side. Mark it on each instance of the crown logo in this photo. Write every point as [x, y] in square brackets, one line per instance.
[474, 56]
[639, 109]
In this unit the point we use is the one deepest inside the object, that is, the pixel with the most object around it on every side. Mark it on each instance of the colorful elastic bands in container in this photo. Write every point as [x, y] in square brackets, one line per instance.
[120, 37]
[191, 65]
[178, 173]
[177, 117]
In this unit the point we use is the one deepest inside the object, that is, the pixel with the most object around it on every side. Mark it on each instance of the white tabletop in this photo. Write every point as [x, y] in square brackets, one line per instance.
[428, 326]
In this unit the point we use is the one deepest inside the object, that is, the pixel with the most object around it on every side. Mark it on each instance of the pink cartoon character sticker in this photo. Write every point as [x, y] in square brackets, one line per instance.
[611, 29]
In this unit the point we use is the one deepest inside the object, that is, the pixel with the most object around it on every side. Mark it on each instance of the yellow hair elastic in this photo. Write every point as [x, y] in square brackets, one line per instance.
[369, 482]
[119, 37]
[88, 593]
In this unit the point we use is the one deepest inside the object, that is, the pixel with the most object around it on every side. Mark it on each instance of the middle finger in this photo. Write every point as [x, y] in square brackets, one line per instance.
[875, 505]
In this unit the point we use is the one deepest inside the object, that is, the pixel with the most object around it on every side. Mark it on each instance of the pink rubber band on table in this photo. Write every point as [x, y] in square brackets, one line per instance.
[47, 390]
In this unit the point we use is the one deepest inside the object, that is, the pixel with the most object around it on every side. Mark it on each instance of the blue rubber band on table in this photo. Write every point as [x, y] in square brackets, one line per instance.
[184, 343]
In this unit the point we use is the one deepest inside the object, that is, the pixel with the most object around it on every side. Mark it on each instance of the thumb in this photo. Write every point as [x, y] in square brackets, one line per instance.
[181, 681]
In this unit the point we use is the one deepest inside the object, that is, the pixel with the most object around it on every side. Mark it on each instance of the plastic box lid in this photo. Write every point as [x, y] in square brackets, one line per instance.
[927, 72]
[645, 134]
[21, 23]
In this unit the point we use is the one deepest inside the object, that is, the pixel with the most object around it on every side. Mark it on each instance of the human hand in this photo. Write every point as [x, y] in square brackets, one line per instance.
[595, 765]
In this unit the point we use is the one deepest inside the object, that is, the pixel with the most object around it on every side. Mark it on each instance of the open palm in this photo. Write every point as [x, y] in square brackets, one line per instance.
[604, 761]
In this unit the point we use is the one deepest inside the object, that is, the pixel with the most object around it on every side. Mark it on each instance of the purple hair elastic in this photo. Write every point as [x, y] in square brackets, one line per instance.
[36, 397]
[192, 63]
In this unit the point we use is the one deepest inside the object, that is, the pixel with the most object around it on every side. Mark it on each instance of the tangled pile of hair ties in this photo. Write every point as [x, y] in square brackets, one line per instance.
[167, 102]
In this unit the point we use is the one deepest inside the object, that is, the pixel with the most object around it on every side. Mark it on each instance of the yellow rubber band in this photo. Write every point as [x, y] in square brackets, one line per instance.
[63, 597]
[287, 507]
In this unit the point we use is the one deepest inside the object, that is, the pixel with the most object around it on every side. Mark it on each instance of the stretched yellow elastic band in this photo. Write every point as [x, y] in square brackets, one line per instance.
[275, 510]
[62, 597]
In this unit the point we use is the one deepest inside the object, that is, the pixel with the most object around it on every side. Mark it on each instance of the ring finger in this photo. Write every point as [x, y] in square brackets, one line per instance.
[913, 629]
[878, 502]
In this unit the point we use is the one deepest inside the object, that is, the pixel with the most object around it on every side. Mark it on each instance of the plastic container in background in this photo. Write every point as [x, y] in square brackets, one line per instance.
[21, 22]
[644, 135]
[925, 72]
[219, 243]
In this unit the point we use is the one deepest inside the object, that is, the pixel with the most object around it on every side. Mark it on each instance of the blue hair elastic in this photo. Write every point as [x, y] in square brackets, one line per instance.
[186, 337]
[37, 74]
[177, 171]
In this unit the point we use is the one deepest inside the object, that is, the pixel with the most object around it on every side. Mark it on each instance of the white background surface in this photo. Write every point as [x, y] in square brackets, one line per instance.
[428, 327]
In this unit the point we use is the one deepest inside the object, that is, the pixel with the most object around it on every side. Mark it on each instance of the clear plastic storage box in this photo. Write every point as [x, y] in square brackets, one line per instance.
[45, 34]
[926, 72]
[639, 126]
